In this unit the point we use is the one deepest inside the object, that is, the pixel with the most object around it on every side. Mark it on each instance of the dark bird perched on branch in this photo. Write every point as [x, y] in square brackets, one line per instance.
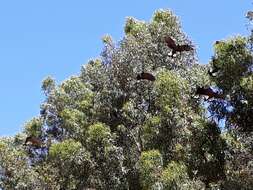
[213, 71]
[33, 141]
[219, 42]
[176, 48]
[145, 76]
[209, 92]
[249, 15]
[215, 68]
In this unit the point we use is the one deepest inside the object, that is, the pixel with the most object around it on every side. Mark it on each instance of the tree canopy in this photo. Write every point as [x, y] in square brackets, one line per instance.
[111, 128]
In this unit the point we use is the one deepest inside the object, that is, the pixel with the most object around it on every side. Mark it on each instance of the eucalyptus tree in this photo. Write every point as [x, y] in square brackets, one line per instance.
[104, 129]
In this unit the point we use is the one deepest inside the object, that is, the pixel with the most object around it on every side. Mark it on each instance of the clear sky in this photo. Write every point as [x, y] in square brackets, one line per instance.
[55, 37]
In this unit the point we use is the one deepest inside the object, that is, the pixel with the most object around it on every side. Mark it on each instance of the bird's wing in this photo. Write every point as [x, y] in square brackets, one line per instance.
[170, 42]
[185, 47]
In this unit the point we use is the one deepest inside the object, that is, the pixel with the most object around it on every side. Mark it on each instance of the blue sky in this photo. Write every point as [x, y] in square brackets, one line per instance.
[41, 38]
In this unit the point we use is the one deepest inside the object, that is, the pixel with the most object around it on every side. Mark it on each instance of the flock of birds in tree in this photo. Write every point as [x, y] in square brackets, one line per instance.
[175, 48]
[180, 48]
[202, 91]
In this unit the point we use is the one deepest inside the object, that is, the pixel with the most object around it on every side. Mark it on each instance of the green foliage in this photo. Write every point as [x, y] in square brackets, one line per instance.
[150, 168]
[99, 133]
[233, 60]
[174, 175]
[73, 120]
[104, 129]
[33, 127]
[64, 149]
[150, 131]
[207, 159]
[247, 85]
[48, 85]
[70, 159]
[15, 170]
[167, 18]
[171, 89]
[134, 27]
